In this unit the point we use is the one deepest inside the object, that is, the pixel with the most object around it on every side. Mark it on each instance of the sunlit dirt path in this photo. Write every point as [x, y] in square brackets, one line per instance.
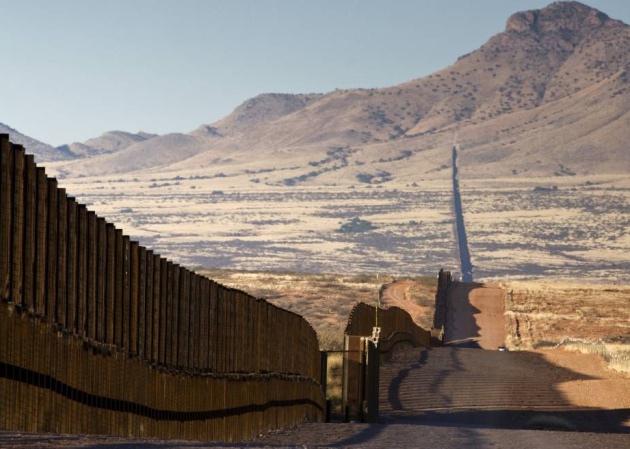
[397, 294]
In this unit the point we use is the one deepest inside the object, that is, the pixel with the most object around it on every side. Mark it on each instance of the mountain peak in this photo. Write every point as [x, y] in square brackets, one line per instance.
[563, 16]
[549, 96]
[265, 108]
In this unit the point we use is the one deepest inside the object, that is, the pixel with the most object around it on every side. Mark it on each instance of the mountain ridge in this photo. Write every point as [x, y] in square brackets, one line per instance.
[548, 96]
[108, 142]
[42, 151]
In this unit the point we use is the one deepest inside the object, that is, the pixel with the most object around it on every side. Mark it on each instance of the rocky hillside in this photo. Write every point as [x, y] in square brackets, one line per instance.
[42, 151]
[546, 97]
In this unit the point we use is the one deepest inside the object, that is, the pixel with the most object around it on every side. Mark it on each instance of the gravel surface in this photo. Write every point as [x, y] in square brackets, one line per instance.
[318, 435]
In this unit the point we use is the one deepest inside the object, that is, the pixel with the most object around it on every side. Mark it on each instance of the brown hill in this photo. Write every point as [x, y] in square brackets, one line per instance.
[109, 142]
[548, 96]
[42, 151]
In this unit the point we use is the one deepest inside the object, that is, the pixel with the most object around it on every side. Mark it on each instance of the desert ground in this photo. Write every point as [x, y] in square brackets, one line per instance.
[564, 228]
[326, 300]
[561, 228]
[556, 246]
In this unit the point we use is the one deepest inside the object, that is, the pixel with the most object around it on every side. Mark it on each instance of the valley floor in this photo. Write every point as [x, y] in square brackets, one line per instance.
[570, 228]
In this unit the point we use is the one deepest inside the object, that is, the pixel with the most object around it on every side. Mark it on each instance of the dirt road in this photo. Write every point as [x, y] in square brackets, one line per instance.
[475, 316]
[398, 294]
[504, 390]
[388, 435]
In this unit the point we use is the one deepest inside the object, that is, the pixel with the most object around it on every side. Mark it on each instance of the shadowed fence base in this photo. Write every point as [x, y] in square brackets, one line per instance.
[52, 381]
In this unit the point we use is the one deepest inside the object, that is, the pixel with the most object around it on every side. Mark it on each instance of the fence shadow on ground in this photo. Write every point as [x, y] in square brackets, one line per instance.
[462, 332]
[586, 420]
[487, 389]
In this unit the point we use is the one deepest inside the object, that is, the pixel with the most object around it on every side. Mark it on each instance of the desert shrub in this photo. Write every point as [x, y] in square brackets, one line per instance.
[356, 225]
[365, 177]
[364, 279]
[331, 338]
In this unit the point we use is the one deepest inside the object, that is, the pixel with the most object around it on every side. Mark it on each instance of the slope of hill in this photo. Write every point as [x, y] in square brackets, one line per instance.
[548, 96]
[143, 155]
[42, 151]
[108, 142]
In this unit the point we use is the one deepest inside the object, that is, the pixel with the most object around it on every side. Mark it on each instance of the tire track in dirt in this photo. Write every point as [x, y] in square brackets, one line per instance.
[398, 294]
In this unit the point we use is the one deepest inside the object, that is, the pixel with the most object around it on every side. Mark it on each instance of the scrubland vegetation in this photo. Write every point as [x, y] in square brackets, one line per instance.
[582, 317]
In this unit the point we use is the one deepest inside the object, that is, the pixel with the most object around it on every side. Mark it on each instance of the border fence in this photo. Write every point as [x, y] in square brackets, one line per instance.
[99, 334]
[363, 354]
[445, 279]
[396, 326]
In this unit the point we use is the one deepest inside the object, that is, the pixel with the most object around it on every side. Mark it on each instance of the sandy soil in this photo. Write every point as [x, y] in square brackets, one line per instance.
[600, 388]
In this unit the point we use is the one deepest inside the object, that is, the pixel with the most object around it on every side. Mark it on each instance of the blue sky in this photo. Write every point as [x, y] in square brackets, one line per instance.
[73, 69]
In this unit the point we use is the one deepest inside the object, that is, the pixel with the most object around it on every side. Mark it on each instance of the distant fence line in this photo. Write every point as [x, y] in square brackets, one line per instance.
[99, 334]
[445, 278]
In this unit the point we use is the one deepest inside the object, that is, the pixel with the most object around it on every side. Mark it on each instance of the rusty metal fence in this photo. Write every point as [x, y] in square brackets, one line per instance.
[360, 370]
[99, 334]
[445, 279]
[393, 320]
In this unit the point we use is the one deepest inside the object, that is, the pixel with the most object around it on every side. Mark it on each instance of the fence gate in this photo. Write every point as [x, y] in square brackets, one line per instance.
[360, 394]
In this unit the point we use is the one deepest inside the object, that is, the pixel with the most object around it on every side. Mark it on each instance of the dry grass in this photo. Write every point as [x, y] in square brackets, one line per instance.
[577, 231]
[422, 293]
[324, 300]
[331, 337]
[617, 356]
[582, 317]
[334, 386]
